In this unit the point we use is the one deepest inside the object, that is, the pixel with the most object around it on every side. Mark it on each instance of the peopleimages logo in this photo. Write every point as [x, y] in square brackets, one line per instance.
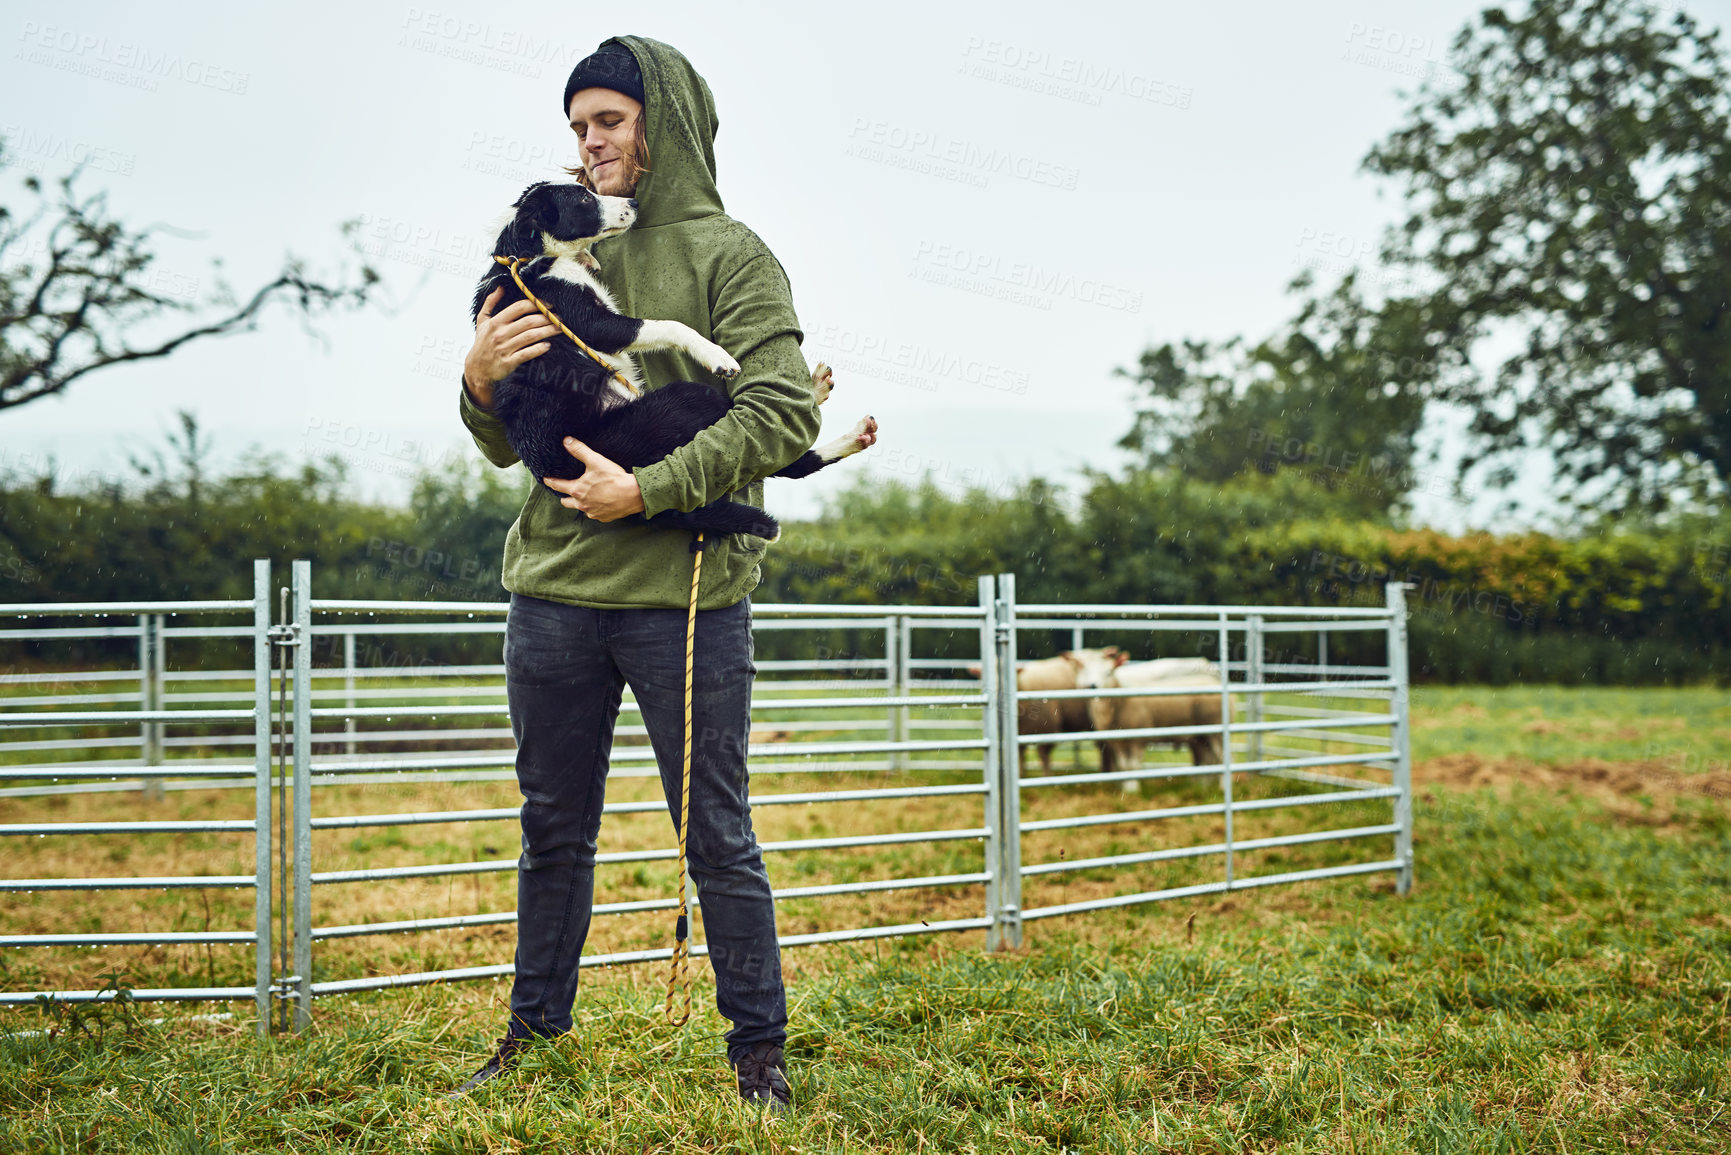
[121, 61]
[894, 144]
[494, 154]
[521, 52]
[948, 473]
[1019, 282]
[38, 151]
[1399, 52]
[1066, 77]
[910, 363]
[1431, 598]
[423, 246]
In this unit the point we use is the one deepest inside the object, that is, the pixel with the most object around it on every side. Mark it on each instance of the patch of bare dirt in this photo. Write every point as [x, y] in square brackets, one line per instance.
[1644, 792]
[1443, 719]
[1618, 729]
[1546, 726]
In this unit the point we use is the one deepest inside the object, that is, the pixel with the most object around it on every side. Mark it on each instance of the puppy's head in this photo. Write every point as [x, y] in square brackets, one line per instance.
[561, 220]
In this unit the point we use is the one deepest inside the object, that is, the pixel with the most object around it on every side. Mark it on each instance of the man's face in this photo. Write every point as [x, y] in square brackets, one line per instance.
[606, 126]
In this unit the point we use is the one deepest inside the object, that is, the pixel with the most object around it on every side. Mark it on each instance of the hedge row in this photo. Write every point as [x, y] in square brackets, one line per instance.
[1625, 606]
[1622, 606]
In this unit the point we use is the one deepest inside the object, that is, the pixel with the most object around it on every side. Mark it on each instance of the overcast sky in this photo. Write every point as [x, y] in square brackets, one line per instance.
[983, 210]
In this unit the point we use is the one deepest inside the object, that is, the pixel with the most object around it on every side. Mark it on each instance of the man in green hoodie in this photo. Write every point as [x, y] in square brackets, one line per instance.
[599, 602]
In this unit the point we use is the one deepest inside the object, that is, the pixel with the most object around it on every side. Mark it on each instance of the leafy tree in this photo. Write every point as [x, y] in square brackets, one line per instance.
[1335, 395]
[454, 534]
[1573, 186]
[76, 287]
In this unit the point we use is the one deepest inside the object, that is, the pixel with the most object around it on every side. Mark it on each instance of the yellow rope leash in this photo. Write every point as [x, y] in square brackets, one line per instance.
[676, 971]
[511, 263]
[677, 974]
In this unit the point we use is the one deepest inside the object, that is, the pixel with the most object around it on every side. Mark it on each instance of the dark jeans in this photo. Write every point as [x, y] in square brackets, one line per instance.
[565, 667]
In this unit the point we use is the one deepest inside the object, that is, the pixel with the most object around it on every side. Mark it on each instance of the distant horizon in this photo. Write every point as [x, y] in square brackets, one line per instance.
[383, 464]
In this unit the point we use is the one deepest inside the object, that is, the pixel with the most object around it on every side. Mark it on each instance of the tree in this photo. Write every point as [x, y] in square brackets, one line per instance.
[82, 288]
[1574, 188]
[1334, 395]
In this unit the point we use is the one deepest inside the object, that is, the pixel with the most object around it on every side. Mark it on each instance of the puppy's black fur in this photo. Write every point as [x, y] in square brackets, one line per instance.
[563, 392]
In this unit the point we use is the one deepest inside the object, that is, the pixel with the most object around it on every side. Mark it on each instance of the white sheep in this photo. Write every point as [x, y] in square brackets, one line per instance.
[1132, 713]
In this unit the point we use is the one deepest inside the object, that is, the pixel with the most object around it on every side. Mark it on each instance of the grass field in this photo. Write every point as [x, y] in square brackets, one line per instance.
[1558, 980]
[1686, 730]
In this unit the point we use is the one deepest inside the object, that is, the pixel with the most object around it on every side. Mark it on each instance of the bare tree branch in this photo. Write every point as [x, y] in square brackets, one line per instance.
[75, 307]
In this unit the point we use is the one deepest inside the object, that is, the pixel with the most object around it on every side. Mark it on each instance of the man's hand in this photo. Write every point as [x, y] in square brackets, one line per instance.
[605, 492]
[502, 343]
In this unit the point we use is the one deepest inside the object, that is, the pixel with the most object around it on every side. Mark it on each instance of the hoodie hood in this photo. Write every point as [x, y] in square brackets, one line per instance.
[680, 111]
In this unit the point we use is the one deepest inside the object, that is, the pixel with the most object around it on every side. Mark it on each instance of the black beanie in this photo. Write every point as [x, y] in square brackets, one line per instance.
[610, 66]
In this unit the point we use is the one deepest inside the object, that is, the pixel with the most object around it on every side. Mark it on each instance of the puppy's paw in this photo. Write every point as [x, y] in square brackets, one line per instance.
[822, 381]
[719, 363]
[860, 438]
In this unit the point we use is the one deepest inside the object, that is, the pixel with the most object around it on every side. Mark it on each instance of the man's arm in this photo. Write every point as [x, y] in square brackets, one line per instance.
[517, 334]
[774, 416]
[487, 430]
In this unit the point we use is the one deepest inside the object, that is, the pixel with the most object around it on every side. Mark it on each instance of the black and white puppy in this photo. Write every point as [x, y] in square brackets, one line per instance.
[564, 392]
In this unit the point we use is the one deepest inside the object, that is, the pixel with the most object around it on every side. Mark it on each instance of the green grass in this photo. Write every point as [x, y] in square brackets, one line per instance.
[1688, 730]
[1556, 982]
[1559, 980]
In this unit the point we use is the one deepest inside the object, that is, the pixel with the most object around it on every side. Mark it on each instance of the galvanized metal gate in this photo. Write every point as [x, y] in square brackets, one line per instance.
[970, 722]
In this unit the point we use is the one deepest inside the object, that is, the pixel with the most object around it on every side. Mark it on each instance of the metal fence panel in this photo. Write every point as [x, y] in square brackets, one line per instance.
[906, 714]
[153, 712]
[1268, 744]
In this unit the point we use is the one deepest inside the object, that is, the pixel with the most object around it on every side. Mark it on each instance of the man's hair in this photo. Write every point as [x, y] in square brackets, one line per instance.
[636, 161]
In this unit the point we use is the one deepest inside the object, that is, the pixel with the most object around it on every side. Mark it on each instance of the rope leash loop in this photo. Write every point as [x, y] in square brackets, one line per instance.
[511, 263]
[677, 972]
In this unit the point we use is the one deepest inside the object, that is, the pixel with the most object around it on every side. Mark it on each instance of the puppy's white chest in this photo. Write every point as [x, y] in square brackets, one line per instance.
[572, 271]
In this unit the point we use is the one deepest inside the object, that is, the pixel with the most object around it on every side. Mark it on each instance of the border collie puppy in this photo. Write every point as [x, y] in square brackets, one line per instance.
[564, 392]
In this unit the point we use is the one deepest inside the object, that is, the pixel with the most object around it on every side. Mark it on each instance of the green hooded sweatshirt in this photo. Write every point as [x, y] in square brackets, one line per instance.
[684, 260]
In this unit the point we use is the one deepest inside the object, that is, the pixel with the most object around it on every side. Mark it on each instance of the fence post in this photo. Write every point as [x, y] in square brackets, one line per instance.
[150, 696]
[904, 635]
[146, 692]
[1076, 633]
[1253, 645]
[349, 685]
[261, 760]
[1226, 741]
[893, 726]
[989, 763]
[1009, 912]
[1400, 705]
[301, 581]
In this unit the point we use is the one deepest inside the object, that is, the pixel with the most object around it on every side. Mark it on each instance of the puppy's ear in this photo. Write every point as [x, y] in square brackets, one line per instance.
[522, 233]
